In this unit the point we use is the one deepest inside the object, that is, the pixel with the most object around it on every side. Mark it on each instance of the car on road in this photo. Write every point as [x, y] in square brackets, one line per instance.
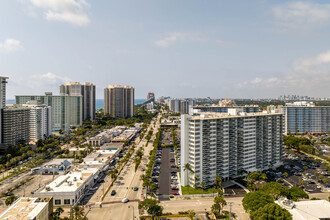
[125, 200]
[173, 166]
[172, 160]
[113, 192]
[136, 188]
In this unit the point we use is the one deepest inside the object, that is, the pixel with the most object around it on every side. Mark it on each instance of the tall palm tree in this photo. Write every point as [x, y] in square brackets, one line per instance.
[187, 167]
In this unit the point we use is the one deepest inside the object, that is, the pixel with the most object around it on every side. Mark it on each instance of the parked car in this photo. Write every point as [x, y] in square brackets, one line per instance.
[113, 192]
[175, 194]
[172, 160]
[175, 188]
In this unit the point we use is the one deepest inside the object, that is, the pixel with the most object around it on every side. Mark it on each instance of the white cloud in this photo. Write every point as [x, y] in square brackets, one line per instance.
[302, 15]
[170, 38]
[47, 80]
[308, 75]
[72, 11]
[11, 45]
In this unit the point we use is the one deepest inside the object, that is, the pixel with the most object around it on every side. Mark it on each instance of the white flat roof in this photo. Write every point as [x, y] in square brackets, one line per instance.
[70, 182]
[25, 208]
[311, 210]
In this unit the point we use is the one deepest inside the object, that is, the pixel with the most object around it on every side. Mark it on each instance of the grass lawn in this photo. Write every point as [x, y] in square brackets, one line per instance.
[192, 190]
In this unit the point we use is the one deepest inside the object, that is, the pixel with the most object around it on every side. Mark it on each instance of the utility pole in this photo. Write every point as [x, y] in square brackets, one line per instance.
[230, 204]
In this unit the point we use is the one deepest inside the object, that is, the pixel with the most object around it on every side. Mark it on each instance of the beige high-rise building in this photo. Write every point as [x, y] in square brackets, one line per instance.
[119, 101]
[87, 91]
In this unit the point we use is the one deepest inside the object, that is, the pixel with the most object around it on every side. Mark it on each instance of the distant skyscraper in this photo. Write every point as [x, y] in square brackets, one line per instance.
[151, 96]
[87, 91]
[3, 82]
[119, 101]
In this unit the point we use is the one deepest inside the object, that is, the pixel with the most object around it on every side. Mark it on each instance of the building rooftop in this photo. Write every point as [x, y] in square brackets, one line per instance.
[69, 182]
[25, 208]
[311, 209]
[234, 114]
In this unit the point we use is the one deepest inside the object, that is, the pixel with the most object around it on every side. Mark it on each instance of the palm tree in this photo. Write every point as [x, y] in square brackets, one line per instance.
[187, 167]
[78, 212]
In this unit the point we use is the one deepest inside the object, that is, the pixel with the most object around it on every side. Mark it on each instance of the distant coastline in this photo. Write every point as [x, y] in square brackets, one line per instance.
[99, 102]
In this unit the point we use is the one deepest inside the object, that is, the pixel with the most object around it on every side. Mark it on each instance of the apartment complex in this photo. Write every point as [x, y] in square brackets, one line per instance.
[29, 208]
[180, 105]
[301, 117]
[87, 91]
[15, 125]
[119, 101]
[229, 143]
[40, 120]
[3, 83]
[66, 110]
[224, 109]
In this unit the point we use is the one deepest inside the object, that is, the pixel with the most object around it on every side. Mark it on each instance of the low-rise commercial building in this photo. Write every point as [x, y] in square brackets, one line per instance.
[27, 208]
[69, 189]
[307, 210]
[227, 144]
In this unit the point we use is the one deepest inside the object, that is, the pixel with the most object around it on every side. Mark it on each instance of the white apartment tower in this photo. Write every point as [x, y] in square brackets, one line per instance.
[40, 120]
[227, 144]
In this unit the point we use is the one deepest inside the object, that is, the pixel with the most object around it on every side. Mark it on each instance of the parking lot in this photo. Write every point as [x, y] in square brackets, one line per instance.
[165, 172]
[301, 172]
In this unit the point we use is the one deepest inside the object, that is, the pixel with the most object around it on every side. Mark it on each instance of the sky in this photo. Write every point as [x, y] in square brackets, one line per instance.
[177, 48]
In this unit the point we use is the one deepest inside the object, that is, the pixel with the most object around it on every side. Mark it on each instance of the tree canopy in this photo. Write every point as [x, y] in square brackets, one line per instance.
[271, 211]
[252, 201]
[152, 206]
[294, 193]
[274, 189]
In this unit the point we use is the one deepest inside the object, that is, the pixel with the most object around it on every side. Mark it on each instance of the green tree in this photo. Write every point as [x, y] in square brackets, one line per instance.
[285, 174]
[57, 214]
[152, 206]
[252, 201]
[253, 177]
[217, 182]
[203, 185]
[10, 200]
[78, 213]
[294, 193]
[187, 167]
[219, 203]
[271, 211]
[191, 214]
[274, 189]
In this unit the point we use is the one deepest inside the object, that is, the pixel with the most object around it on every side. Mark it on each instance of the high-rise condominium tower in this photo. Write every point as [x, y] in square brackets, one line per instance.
[3, 82]
[119, 101]
[87, 91]
[228, 144]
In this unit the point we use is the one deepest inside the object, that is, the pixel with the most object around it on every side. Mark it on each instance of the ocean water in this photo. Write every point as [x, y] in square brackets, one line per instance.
[99, 102]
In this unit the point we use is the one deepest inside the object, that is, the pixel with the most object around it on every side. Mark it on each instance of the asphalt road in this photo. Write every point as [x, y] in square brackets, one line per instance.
[128, 178]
